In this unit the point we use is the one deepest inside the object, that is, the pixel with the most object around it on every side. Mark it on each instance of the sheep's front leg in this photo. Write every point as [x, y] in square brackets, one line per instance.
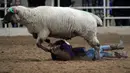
[42, 35]
[96, 45]
[34, 35]
[92, 40]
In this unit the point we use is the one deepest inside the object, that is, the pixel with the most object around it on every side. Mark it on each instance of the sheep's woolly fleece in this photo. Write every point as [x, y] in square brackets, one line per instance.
[58, 20]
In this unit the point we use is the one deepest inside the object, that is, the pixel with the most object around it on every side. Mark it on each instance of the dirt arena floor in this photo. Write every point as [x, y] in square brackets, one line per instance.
[20, 55]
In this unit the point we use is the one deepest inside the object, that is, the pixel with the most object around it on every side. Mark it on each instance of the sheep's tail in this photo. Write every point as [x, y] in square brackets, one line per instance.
[99, 21]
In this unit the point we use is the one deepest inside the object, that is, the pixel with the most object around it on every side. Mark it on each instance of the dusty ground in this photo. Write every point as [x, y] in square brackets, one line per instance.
[20, 55]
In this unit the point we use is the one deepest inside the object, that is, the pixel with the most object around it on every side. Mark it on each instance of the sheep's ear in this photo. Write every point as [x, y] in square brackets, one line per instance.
[12, 10]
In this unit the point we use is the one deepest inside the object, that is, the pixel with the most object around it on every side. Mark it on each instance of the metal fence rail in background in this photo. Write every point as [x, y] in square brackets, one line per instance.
[106, 7]
[107, 16]
[4, 8]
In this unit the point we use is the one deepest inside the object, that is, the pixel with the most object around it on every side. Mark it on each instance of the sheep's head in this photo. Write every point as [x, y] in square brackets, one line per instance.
[11, 16]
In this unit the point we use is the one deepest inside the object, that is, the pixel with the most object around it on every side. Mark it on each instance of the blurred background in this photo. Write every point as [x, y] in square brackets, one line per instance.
[112, 12]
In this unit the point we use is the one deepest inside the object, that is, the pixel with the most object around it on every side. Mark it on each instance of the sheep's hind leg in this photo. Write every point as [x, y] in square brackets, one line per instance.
[93, 42]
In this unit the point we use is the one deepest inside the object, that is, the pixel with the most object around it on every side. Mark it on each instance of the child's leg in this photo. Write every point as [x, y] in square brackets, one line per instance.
[106, 54]
[90, 52]
[121, 54]
[105, 48]
[115, 55]
[117, 46]
[112, 47]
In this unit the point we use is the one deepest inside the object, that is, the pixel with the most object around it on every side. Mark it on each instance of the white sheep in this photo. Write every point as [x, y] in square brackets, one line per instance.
[58, 22]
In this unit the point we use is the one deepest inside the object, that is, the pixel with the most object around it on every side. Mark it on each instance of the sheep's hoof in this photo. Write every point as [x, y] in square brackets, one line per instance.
[47, 40]
[38, 45]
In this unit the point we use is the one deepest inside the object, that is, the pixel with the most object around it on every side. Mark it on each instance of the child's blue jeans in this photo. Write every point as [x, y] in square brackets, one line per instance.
[91, 52]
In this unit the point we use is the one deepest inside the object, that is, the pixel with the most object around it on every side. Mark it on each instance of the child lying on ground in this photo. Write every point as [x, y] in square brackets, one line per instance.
[62, 50]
